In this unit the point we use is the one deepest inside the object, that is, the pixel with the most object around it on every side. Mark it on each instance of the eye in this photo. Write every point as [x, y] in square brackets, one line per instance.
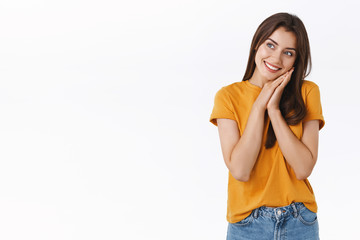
[289, 53]
[270, 45]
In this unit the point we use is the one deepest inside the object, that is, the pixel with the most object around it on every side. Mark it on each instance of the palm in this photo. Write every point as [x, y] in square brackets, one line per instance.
[276, 96]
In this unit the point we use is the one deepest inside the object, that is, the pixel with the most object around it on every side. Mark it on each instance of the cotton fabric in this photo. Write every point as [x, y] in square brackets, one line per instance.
[272, 182]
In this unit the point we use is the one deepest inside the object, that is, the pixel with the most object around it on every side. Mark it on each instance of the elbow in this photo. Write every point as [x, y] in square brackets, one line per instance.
[306, 169]
[239, 173]
[241, 177]
[301, 178]
[303, 175]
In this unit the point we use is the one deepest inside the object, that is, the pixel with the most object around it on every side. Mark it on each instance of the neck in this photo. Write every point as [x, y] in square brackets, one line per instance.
[257, 79]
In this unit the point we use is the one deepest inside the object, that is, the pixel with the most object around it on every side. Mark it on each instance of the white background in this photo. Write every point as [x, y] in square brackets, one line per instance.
[105, 107]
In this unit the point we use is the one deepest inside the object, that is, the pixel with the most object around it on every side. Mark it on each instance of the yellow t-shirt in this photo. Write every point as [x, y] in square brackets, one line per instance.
[272, 182]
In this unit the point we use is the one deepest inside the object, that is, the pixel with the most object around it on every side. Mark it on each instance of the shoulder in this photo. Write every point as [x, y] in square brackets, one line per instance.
[231, 89]
[308, 86]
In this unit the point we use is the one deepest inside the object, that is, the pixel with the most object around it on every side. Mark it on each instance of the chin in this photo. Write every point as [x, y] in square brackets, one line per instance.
[271, 77]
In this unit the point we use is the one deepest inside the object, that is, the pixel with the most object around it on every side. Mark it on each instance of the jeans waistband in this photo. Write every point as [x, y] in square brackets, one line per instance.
[277, 212]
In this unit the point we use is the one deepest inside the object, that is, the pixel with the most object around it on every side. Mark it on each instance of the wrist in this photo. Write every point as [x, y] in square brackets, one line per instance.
[273, 111]
[258, 108]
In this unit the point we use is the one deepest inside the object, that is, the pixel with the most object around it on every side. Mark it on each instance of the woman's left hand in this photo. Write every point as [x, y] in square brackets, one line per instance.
[274, 101]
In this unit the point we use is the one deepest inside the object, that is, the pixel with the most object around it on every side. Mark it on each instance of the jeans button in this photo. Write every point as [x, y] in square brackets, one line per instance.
[279, 212]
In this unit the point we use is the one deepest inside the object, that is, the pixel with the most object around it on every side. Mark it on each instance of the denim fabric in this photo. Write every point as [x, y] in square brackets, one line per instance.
[292, 222]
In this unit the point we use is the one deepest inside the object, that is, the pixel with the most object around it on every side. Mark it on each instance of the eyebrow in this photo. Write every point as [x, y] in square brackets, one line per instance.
[278, 45]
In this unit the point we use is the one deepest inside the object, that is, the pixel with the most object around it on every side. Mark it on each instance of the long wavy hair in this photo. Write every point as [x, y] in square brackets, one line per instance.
[291, 105]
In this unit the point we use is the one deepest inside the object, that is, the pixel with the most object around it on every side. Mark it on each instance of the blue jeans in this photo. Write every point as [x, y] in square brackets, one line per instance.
[292, 222]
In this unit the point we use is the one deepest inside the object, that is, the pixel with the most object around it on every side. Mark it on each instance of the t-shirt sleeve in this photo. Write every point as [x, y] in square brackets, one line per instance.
[223, 107]
[313, 106]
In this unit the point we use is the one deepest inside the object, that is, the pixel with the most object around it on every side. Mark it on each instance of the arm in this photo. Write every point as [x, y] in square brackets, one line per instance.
[300, 154]
[240, 153]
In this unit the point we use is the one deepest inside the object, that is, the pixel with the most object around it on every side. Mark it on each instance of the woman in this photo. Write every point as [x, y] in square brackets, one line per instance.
[269, 129]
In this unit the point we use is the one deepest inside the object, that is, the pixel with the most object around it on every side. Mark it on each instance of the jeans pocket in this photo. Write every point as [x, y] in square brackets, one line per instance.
[245, 221]
[307, 217]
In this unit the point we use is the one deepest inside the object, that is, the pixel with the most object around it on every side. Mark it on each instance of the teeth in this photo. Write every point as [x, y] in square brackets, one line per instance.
[271, 67]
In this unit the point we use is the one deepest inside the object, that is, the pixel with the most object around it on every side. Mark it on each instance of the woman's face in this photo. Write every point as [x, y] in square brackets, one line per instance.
[276, 55]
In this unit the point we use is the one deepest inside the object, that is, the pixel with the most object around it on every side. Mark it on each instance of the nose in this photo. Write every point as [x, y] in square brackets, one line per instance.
[276, 56]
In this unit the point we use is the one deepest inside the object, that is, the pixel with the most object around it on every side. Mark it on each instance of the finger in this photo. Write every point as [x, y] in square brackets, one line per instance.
[290, 73]
[277, 83]
[281, 76]
[279, 80]
[287, 73]
[286, 81]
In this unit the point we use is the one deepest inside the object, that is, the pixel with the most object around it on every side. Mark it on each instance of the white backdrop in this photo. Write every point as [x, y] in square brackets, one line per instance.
[105, 107]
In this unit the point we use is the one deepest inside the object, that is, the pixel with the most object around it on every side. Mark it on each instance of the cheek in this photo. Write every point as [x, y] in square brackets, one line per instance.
[261, 54]
[289, 63]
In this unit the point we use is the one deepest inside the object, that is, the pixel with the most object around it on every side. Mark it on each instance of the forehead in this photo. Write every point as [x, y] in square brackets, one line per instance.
[284, 38]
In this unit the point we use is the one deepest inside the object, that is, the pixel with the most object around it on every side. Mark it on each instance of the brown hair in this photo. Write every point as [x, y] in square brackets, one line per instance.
[291, 105]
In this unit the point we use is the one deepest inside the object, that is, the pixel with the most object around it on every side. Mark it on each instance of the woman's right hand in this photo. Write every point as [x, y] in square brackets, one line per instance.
[267, 91]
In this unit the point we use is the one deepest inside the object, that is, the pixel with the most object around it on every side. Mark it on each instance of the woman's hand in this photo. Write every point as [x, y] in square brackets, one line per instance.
[268, 91]
[274, 101]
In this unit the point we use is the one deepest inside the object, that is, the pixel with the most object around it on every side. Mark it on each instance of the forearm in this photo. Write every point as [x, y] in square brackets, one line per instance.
[295, 152]
[247, 149]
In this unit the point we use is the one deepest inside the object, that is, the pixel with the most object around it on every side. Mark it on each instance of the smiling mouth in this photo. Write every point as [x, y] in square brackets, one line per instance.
[271, 67]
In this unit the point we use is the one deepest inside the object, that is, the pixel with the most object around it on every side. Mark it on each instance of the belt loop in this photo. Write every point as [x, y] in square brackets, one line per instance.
[256, 212]
[295, 210]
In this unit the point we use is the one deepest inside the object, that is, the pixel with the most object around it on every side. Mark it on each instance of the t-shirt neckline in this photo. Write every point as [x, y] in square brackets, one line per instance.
[250, 85]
